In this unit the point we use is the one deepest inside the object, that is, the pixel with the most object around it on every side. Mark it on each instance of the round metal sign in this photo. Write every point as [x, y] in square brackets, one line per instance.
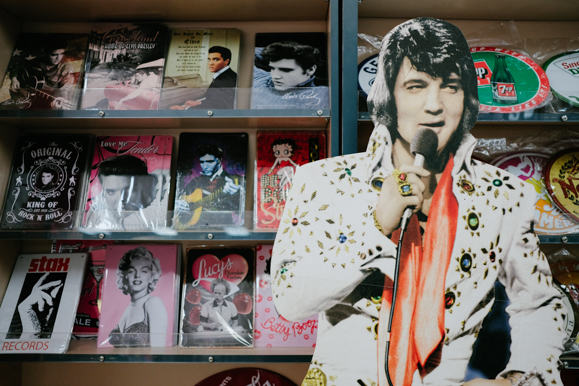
[366, 74]
[246, 376]
[562, 180]
[563, 73]
[508, 81]
[569, 313]
[529, 166]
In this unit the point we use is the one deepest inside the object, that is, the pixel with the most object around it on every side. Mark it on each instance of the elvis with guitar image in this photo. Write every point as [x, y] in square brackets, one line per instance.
[211, 181]
[43, 72]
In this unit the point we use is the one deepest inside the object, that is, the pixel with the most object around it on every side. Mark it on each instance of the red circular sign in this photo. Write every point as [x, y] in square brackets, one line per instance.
[246, 376]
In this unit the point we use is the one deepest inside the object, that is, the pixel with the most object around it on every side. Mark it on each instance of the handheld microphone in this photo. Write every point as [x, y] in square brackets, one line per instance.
[424, 145]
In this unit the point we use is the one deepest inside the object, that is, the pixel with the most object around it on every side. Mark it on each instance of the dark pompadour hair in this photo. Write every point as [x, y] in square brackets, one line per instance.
[55, 44]
[48, 170]
[223, 51]
[435, 47]
[123, 165]
[211, 150]
[305, 56]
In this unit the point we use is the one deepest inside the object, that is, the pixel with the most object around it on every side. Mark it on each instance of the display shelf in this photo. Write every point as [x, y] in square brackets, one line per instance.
[523, 117]
[559, 239]
[86, 351]
[569, 361]
[165, 234]
[472, 9]
[305, 118]
[160, 10]
[168, 234]
[529, 117]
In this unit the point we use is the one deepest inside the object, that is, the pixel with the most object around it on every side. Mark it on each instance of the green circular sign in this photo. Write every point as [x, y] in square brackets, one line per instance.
[523, 85]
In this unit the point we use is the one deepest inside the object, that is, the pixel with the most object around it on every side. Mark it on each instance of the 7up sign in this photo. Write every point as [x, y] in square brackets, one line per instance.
[483, 73]
[501, 95]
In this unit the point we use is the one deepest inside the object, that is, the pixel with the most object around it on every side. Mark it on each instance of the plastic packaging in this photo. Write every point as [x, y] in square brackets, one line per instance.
[564, 81]
[527, 157]
[129, 184]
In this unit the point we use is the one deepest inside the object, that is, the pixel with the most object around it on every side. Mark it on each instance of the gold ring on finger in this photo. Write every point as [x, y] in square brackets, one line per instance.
[405, 189]
[400, 177]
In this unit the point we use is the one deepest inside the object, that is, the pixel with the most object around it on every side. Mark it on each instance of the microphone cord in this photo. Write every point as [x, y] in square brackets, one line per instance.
[394, 291]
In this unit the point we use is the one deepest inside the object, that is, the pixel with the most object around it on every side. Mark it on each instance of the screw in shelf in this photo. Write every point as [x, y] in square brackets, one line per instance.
[101, 358]
[209, 112]
[101, 236]
[320, 112]
[210, 359]
[564, 118]
[564, 239]
[101, 113]
[210, 236]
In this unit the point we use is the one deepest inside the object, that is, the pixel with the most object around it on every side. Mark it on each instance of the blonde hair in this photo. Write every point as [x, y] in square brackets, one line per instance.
[125, 263]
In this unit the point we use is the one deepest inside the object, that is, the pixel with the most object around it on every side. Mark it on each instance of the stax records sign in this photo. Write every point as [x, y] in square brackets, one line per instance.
[528, 89]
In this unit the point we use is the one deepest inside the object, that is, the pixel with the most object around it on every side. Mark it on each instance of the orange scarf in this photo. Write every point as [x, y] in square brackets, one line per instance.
[418, 325]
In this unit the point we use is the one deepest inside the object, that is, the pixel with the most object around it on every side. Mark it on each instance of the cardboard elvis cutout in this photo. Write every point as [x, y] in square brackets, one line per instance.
[472, 225]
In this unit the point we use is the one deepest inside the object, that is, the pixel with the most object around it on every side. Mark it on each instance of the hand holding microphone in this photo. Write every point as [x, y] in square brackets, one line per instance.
[394, 209]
